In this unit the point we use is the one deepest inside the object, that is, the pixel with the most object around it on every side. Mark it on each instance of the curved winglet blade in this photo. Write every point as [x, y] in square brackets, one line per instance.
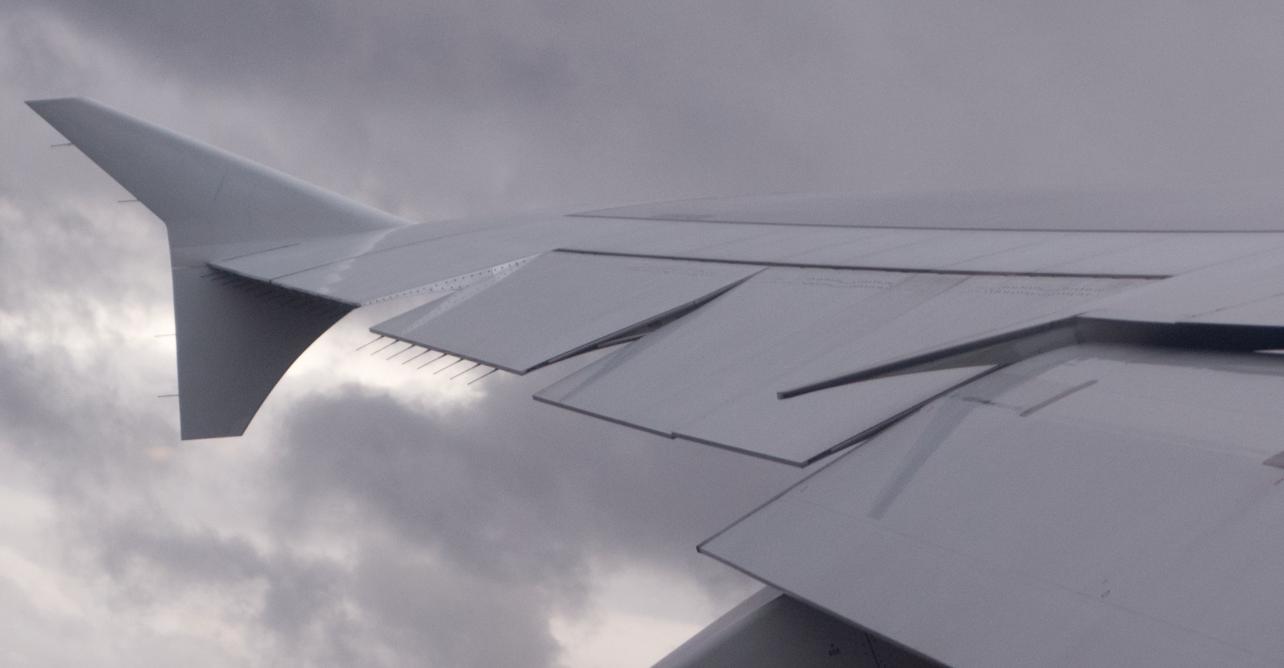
[235, 337]
[204, 195]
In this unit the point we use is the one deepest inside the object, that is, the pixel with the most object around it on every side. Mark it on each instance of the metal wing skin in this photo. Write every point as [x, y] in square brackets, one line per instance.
[1097, 505]
[1044, 425]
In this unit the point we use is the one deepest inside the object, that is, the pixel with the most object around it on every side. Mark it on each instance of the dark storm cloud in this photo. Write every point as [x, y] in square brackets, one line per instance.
[395, 602]
[489, 526]
[514, 509]
[302, 597]
[450, 618]
[529, 496]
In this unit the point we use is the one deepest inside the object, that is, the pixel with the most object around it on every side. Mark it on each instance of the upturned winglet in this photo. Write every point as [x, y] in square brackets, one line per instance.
[236, 337]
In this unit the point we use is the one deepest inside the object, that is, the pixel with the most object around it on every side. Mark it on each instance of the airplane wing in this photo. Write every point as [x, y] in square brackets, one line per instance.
[1065, 404]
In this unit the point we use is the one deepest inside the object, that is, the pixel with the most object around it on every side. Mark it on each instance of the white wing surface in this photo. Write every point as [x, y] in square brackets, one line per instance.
[1091, 506]
[562, 304]
[1069, 447]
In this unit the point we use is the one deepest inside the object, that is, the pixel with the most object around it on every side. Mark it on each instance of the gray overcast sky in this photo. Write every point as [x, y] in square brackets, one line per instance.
[377, 518]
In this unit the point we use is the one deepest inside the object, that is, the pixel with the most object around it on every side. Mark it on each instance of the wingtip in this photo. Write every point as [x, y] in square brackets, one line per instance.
[193, 430]
[40, 106]
[46, 101]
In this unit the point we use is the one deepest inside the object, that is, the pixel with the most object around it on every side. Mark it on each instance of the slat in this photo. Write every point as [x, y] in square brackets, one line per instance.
[312, 253]
[365, 267]
[1190, 252]
[398, 270]
[1103, 505]
[945, 250]
[561, 304]
[1055, 249]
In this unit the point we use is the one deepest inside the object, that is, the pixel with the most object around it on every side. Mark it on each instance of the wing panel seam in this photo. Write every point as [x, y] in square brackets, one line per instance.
[855, 267]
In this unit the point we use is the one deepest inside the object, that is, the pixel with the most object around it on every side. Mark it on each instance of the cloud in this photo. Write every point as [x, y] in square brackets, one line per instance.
[373, 517]
[466, 106]
[513, 512]
[520, 497]
[353, 525]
